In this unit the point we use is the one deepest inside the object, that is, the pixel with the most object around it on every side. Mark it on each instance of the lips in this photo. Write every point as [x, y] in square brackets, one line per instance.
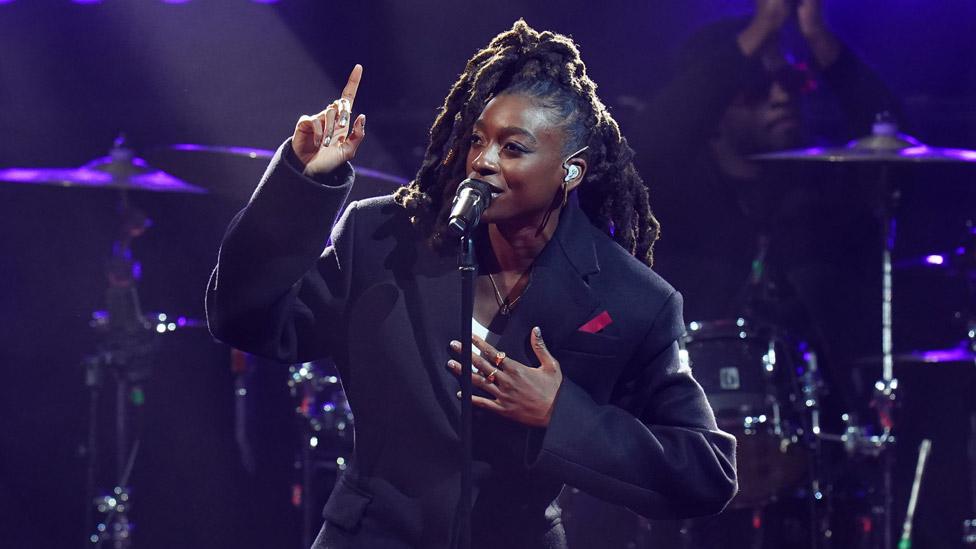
[782, 117]
[495, 191]
[783, 122]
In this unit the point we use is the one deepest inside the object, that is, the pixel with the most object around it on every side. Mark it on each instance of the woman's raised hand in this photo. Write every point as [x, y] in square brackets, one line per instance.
[324, 141]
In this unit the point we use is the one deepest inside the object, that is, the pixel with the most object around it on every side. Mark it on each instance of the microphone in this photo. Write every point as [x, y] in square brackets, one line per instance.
[471, 199]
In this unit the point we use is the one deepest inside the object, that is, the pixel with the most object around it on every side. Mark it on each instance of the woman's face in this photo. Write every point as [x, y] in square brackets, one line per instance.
[516, 147]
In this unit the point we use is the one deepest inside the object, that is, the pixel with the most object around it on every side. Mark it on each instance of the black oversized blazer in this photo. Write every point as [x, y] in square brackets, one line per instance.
[629, 425]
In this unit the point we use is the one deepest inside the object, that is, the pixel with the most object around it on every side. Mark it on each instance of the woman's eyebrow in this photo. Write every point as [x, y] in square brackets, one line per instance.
[509, 130]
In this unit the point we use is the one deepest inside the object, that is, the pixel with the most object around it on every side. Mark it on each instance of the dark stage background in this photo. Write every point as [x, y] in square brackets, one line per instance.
[73, 75]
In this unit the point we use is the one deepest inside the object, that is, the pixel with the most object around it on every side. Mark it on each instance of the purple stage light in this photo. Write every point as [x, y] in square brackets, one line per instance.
[963, 155]
[935, 259]
[940, 356]
[87, 1]
[161, 181]
[55, 176]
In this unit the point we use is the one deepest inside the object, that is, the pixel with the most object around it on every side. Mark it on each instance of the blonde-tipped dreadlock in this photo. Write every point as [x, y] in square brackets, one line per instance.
[547, 67]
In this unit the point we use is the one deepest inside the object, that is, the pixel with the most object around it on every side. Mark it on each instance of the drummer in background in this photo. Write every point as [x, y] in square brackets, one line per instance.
[742, 239]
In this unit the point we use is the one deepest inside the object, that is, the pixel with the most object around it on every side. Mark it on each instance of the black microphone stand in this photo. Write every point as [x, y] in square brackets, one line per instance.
[472, 198]
[467, 265]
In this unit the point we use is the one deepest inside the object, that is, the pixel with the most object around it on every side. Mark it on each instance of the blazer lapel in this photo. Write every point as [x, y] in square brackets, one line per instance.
[559, 299]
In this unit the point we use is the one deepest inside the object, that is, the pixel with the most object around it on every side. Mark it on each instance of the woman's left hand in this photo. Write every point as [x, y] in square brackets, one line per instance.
[521, 393]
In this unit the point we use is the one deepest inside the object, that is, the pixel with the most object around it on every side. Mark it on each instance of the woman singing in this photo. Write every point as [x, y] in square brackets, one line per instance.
[578, 378]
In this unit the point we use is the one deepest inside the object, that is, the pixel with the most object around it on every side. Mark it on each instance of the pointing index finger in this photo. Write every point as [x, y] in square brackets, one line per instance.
[352, 85]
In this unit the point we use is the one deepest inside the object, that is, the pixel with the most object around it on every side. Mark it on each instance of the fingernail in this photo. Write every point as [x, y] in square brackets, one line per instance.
[453, 364]
[326, 141]
[364, 122]
[537, 331]
[459, 394]
[344, 119]
[456, 345]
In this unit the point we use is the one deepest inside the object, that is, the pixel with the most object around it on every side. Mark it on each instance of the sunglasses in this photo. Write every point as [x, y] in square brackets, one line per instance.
[794, 78]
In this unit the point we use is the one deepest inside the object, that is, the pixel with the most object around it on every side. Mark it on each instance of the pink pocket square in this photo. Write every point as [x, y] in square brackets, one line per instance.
[597, 323]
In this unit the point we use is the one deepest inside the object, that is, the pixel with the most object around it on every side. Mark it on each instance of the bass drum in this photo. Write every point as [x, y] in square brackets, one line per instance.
[758, 384]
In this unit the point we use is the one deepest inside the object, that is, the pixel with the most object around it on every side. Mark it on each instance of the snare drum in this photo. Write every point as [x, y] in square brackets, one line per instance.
[751, 376]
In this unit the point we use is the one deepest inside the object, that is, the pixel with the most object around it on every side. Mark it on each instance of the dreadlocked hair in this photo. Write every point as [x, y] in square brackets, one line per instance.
[546, 67]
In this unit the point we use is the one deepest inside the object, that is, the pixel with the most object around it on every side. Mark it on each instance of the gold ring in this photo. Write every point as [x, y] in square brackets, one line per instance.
[499, 358]
[490, 378]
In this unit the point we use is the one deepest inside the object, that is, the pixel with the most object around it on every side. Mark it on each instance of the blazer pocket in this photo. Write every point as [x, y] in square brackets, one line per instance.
[372, 503]
[591, 344]
[346, 505]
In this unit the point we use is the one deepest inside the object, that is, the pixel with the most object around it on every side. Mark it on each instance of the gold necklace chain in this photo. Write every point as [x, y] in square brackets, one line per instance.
[504, 305]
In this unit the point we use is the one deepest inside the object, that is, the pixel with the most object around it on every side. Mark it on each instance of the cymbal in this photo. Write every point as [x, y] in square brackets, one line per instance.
[919, 154]
[884, 145]
[119, 170]
[234, 171]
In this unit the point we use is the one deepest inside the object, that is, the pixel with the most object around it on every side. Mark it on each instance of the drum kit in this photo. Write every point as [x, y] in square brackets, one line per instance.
[129, 339]
[766, 389]
[763, 382]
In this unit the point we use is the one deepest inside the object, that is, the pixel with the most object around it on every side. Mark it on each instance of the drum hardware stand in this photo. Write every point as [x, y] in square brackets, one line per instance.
[130, 368]
[968, 265]
[302, 384]
[769, 369]
[759, 289]
[810, 388]
[860, 441]
[971, 335]
[885, 135]
[308, 384]
[126, 350]
[966, 258]
[969, 525]
[884, 397]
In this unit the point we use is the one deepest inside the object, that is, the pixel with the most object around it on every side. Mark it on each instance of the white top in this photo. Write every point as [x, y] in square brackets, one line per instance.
[482, 332]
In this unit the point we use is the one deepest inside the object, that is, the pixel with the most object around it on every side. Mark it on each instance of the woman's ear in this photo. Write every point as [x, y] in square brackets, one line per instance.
[575, 171]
